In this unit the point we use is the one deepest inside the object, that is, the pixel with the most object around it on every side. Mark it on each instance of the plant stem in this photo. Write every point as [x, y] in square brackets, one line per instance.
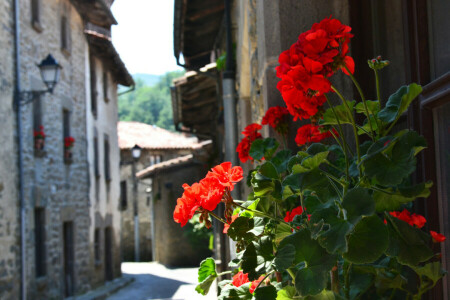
[347, 279]
[341, 132]
[335, 279]
[217, 217]
[358, 87]
[377, 80]
[264, 279]
[224, 273]
[291, 272]
[358, 152]
[263, 214]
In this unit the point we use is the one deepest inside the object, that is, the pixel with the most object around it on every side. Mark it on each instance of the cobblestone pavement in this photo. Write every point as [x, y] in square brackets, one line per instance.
[155, 281]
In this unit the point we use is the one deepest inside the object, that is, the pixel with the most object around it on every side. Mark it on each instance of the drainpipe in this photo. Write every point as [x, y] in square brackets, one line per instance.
[135, 212]
[19, 149]
[229, 107]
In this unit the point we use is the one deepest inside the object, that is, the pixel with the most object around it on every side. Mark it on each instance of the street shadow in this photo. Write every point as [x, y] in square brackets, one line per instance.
[148, 286]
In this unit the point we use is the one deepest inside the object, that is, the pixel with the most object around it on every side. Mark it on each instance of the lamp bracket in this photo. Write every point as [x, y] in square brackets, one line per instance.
[26, 97]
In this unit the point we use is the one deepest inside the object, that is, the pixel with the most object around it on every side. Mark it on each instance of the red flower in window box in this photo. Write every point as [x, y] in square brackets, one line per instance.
[68, 142]
[39, 138]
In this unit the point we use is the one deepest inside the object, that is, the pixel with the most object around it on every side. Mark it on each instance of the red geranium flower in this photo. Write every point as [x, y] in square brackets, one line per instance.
[290, 215]
[250, 134]
[276, 117]
[311, 134]
[255, 284]
[239, 279]
[211, 192]
[413, 220]
[185, 209]
[437, 237]
[227, 175]
[39, 134]
[68, 142]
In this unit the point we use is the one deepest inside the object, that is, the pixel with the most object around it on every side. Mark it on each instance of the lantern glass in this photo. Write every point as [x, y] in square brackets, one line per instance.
[50, 71]
[136, 152]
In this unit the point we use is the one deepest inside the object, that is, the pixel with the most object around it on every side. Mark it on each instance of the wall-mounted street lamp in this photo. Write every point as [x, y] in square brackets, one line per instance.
[50, 71]
[136, 152]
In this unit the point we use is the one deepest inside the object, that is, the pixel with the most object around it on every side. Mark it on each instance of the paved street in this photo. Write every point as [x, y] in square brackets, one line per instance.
[154, 281]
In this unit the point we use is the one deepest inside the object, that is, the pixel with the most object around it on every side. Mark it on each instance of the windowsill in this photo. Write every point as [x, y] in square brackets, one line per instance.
[40, 153]
[66, 52]
[37, 26]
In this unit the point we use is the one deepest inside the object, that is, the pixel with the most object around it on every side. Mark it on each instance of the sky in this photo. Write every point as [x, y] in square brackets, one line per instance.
[144, 36]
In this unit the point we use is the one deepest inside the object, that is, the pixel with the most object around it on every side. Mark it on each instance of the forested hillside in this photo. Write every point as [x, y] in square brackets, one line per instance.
[149, 104]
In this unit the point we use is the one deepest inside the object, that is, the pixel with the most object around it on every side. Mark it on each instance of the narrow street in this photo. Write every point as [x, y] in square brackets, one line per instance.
[155, 281]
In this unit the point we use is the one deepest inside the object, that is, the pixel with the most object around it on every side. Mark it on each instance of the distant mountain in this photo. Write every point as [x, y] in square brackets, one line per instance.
[148, 79]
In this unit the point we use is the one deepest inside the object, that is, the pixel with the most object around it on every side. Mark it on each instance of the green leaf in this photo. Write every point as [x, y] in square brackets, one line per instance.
[324, 295]
[365, 128]
[281, 160]
[399, 102]
[252, 206]
[360, 280]
[358, 202]
[368, 241]
[263, 148]
[258, 226]
[407, 243]
[433, 271]
[283, 230]
[204, 286]
[372, 106]
[287, 293]
[239, 229]
[249, 261]
[265, 293]
[329, 117]
[312, 162]
[206, 275]
[268, 170]
[230, 292]
[264, 251]
[313, 149]
[207, 268]
[390, 200]
[393, 161]
[311, 280]
[334, 238]
[284, 258]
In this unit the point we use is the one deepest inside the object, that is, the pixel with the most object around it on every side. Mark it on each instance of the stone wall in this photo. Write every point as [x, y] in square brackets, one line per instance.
[9, 209]
[104, 192]
[144, 198]
[173, 247]
[51, 183]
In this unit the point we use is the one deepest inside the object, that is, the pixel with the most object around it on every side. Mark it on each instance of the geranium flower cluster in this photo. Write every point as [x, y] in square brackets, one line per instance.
[311, 134]
[250, 134]
[68, 142]
[240, 278]
[39, 134]
[277, 118]
[304, 68]
[205, 195]
[416, 221]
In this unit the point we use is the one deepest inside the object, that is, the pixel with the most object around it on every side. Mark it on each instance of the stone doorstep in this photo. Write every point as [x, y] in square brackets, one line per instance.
[106, 290]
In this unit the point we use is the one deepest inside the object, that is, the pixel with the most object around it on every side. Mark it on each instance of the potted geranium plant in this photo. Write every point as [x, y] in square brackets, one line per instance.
[39, 138]
[330, 221]
[68, 145]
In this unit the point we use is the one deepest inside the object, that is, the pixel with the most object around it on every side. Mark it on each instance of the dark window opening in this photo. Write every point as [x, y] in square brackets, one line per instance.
[96, 168]
[93, 86]
[65, 34]
[36, 15]
[109, 273]
[69, 259]
[123, 195]
[106, 159]
[97, 251]
[39, 243]
[105, 86]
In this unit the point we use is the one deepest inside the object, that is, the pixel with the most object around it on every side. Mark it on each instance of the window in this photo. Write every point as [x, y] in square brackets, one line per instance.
[106, 157]
[123, 195]
[37, 113]
[65, 34]
[96, 168]
[36, 15]
[39, 241]
[93, 86]
[66, 123]
[105, 86]
[97, 252]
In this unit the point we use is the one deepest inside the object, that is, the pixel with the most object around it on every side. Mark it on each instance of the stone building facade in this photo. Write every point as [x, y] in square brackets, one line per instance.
[158, 145]
[59, 231]
[9, 209]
